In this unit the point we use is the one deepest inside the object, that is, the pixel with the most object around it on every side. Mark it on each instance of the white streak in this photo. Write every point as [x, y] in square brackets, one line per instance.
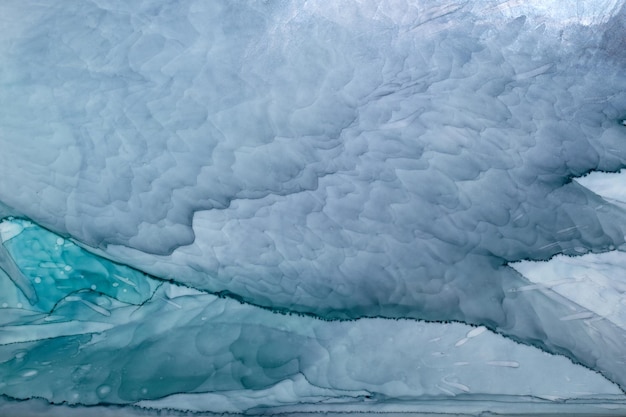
[124, 280]
[507, 364]
[533, 73]
[578, 316]
[476, 332]
[97, 308]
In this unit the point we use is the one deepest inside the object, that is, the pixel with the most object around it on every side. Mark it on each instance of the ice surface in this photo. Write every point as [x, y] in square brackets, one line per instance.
[55, 268]
[610, 186]
[594, 281]
[360, 160]
[179, 348]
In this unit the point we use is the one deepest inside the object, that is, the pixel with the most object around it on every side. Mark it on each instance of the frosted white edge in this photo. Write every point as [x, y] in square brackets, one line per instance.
[603, 406]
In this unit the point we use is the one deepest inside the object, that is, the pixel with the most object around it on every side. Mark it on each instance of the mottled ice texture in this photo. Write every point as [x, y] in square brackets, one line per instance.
[345, 159]
[178, 348]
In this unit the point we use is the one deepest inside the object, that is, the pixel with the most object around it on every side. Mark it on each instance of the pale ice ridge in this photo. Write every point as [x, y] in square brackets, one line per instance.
[425, 408]
[595, 282]
[183, 349]
[610, 186]
[346, 162]
[339, 362]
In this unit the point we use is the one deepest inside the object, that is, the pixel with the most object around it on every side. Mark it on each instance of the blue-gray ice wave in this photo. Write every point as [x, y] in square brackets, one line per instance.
[352, 160]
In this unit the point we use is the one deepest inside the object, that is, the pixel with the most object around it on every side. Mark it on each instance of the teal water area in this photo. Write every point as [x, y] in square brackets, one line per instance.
[57, 268]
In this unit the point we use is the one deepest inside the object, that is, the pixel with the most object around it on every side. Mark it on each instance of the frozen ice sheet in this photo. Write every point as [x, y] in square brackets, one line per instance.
[367, 161]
